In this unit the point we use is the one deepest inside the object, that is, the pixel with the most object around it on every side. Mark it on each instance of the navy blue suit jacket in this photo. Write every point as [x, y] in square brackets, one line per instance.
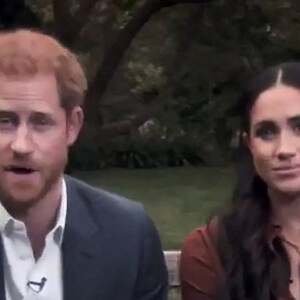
[111, 250]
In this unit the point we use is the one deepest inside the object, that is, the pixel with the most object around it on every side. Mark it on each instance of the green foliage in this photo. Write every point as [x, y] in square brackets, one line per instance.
[170, 196]
[146, 77]
[154, 146]
[43, 8]
[195, 59]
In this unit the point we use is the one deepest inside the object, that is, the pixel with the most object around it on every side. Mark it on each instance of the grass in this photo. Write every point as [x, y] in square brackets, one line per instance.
[177, 199]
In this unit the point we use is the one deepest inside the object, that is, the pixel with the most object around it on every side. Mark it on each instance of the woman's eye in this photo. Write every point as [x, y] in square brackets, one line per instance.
[266, 133]
[297, 128]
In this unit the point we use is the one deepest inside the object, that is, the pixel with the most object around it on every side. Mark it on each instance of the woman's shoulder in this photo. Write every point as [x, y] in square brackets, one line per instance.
[200, 267]
[203, 238]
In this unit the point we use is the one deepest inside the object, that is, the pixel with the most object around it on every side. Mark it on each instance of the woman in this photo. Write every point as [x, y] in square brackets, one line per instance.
[253, 251]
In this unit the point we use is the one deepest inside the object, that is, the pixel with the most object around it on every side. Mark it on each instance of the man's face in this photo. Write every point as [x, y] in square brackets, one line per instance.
[35, 134]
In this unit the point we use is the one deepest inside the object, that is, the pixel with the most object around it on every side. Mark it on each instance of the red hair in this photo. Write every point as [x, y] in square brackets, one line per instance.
[27, 53]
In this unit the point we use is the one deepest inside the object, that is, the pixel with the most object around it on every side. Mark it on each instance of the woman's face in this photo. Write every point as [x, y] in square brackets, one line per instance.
[274, 138]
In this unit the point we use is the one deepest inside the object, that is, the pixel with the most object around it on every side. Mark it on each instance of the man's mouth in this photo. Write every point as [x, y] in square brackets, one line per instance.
[20, 170]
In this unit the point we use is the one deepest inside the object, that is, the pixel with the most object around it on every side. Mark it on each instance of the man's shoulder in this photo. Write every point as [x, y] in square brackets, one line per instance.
[97, 199]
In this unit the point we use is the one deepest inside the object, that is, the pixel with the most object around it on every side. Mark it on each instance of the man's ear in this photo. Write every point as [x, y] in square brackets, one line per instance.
[74, 124]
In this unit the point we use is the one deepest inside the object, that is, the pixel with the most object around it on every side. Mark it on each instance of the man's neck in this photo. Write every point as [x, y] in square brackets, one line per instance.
[41, 217]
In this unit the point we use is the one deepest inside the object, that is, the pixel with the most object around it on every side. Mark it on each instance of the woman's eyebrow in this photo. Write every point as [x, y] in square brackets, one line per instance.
[264, 123]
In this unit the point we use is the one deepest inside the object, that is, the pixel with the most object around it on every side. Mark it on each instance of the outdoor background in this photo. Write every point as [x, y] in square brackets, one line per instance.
[164, 78]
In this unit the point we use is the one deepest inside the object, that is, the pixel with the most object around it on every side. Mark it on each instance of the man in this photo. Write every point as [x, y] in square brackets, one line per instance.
[61, 239]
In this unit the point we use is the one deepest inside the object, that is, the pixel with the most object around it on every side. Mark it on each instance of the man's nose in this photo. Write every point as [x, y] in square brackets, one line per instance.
[22, 144]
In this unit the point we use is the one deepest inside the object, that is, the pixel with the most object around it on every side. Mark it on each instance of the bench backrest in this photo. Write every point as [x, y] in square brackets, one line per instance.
[172, 260]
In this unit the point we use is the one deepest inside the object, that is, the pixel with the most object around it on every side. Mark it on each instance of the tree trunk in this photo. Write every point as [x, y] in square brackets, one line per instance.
[115, 53]
[67, 27]
[92, 131]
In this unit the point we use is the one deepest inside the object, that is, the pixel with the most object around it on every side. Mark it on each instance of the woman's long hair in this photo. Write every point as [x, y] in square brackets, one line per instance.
[254, 269]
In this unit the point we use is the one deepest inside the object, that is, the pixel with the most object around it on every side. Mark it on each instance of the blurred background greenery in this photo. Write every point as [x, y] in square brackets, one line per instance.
[177, 199]
[164, 77]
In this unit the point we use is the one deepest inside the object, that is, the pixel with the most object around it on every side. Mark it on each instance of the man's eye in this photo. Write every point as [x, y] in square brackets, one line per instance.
[6, 122]
[41, 123]
[297, 128]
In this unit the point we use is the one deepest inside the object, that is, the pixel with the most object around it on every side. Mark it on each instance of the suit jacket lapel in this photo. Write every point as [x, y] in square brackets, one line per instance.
[77, 254]
[2, 285]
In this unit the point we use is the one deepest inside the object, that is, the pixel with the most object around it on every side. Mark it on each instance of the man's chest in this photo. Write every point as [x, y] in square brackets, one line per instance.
[27, 278]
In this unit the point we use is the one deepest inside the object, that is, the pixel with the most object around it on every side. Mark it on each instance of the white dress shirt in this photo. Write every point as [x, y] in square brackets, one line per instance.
[21, 270]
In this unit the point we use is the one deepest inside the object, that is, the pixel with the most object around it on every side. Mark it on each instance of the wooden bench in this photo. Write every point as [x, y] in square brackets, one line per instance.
[172, 261]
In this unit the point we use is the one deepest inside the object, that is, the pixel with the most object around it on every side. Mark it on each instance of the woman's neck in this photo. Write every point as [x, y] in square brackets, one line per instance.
[286, 212]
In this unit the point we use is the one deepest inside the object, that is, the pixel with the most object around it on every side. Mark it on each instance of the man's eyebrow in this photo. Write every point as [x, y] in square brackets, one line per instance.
[294, 119]
[41, 114]
[34, 114]
[7, 112]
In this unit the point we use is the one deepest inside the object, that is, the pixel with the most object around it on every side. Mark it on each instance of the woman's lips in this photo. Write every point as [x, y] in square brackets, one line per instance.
[287, 170]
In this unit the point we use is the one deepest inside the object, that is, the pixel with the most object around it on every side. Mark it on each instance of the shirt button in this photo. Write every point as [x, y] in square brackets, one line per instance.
[24, 257]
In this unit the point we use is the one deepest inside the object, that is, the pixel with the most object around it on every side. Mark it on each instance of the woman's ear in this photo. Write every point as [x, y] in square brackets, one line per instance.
[246, 140]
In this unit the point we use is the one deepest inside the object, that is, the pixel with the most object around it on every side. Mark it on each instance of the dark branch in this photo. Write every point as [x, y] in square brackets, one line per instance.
[68, 26]
[82, 14]
[61, 12]
[62, 18]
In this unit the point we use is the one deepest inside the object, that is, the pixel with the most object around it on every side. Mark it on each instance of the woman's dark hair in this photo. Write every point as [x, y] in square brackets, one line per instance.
[254, 269]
